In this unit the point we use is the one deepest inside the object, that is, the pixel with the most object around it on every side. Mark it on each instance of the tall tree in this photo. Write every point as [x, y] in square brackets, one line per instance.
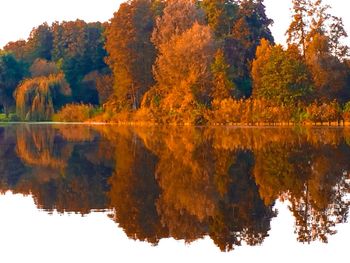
[182, 70]
[220, 15]
[178, 16]
[130, 51]
[40, 43]
[328, 73]
[337, 33]
[251, 25]
[223, 87]
[298, 29]
[78, 50]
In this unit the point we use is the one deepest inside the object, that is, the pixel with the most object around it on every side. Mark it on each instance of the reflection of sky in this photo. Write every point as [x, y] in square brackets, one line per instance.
[30, 235]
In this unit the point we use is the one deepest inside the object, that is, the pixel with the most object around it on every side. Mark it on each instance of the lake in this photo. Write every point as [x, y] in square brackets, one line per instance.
[79, 193]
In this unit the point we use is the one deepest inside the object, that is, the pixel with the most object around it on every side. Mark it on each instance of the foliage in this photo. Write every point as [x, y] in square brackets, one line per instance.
[38, 98]
[184, 62]
[279, 75]
[11, 73]
[39, 44]
[42, 67]
[78, 50]
[182, 71]
[223, 87]
[130, 52]
[74, 113]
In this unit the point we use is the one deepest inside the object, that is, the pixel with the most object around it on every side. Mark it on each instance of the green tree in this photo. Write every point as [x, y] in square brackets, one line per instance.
[223, 87]
[40, 43]
[250, 26]
[220, 15]
[11, 73]
[279, 76]
[78, 49]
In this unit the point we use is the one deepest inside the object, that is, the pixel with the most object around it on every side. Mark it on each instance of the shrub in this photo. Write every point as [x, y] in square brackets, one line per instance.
[75, 113]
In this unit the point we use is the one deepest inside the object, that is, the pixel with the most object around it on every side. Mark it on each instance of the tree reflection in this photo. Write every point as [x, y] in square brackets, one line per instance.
[184, 182]
[133, 188]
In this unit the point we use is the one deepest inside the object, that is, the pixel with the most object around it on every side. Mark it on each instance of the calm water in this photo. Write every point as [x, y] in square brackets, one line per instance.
[173, 193]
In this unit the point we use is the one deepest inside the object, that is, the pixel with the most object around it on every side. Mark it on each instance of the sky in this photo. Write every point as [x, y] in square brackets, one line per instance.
[18, 17]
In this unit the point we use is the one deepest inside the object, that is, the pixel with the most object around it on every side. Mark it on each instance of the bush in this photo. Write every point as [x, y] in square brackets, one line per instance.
[75, 113]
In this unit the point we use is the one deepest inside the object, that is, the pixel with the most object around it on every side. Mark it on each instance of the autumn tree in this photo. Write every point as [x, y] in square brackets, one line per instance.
[104, 86]
[42, 67]
[11, 73]
[298, 29]
[178, 16]
[279, 76]
[337, 34]
[130, 52]
[17, 48]
[328, 73]
[182, 70]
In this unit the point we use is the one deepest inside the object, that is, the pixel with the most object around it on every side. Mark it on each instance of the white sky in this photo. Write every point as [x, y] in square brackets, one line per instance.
[18, 17]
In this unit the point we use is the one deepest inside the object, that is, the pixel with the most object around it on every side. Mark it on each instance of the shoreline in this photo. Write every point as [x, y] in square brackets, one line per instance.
[216, 125]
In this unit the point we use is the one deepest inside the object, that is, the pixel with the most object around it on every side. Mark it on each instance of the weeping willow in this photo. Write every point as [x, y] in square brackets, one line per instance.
[35, 98]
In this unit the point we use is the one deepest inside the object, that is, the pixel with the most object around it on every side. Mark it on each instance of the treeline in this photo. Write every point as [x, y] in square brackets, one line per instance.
[183, 61]
[58, 64]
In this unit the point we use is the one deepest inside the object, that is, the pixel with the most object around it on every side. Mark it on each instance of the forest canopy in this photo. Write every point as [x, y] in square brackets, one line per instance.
[183, 62]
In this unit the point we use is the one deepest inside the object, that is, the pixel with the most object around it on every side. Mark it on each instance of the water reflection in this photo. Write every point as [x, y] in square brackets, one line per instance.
[184, 182]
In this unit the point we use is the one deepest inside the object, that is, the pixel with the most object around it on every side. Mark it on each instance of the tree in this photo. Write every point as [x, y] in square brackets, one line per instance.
[17, 48]
[178, 16]
[104, 85]
[42, 67]
[250, 26]
[298, 29]
[337, 33]
[37, 99]
[223, 88]
[11, 73]
[328, 73]
[130, 52]
[182, 70]
[78, 50]
[220, 15]
[279, 76]
[40, 43]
